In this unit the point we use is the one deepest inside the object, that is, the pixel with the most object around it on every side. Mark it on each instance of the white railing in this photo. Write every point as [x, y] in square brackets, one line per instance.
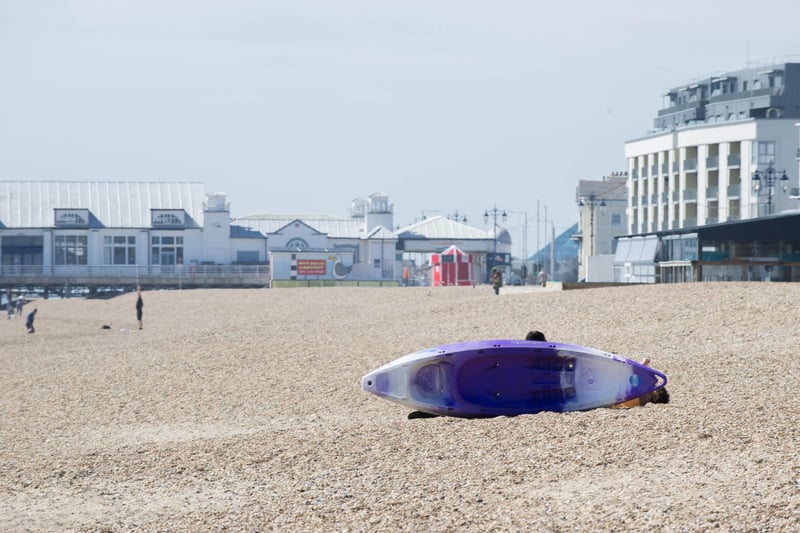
[133, 271]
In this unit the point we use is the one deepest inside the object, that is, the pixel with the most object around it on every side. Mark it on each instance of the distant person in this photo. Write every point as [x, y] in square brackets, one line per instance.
[29, 321]
[542, 278]
[139, 305]
[20, 304]
[497, 281]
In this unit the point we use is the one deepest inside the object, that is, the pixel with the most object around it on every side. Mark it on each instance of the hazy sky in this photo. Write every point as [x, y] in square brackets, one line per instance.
[300, 106]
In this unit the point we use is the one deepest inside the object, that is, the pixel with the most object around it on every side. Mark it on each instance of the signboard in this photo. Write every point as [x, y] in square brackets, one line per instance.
[311, 267]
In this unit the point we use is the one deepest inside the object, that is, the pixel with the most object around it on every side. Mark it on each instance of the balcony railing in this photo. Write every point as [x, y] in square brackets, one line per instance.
[689, 195]
[734, 160]
[690, 165]
[712, 192]
[113, 275]
[734, 191]
[712, 161]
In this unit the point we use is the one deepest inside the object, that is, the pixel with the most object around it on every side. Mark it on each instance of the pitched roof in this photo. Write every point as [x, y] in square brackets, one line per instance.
[336, 227]
[439, 227]
[114, 204]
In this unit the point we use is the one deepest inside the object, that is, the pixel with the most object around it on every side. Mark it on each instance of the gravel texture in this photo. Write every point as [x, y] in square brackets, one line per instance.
[242, 410]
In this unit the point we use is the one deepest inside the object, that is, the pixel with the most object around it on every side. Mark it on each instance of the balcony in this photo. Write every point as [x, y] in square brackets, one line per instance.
[712, 162]
[690, 165]
[654, 170]
[664, 168]
[676, 196]
[734, 160]
[635, 173]
[654, 199]
[675, 167]
[734, 191]
[712, 192]
[689, 222]
[690, 195]
[696, 106]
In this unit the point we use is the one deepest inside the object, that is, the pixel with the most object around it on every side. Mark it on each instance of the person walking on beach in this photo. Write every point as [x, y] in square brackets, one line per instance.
[542, 278]
[139, 305]
[29, 321]
[497, 281]
[20, 304]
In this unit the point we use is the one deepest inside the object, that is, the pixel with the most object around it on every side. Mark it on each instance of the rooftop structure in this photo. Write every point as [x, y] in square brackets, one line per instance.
[771, 91]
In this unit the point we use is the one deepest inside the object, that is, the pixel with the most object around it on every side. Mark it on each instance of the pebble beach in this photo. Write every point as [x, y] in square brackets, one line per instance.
[241, 410]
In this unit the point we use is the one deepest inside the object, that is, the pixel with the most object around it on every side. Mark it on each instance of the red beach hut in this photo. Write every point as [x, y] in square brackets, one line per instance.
[452, 267]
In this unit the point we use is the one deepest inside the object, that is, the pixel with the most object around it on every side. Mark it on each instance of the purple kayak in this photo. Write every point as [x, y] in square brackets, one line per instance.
[510, 377]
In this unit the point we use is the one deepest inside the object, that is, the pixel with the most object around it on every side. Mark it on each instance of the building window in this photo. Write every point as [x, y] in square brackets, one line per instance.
[616, 219]
[70, 219]
[119, 250]
[167, 219]
[297, 243]
[766, 152]
[167, 250]
[71, 250]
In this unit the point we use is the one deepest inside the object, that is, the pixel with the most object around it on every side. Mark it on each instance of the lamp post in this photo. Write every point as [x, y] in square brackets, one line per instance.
[457, 217]
[769, 176]
[494, 213]
[524, 248]
[592, 202]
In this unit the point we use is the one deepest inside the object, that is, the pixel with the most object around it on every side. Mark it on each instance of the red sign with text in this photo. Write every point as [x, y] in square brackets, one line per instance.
[311, 267]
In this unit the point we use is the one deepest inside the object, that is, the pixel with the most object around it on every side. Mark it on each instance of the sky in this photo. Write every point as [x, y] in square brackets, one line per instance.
[298, 107]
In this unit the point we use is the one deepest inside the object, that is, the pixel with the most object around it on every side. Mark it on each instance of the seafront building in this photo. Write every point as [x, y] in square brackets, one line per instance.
[723, 151]
[59, 236]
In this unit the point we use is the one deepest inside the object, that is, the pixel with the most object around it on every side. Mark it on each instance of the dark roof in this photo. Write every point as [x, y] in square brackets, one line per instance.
[566, 248]
[778, 227]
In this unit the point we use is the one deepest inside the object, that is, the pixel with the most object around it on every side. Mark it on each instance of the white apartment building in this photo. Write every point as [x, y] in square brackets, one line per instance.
[698, 166]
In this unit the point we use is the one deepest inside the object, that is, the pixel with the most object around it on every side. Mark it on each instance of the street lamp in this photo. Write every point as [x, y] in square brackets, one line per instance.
[770, 176]
[494, 213]
[457, 217]
[592, 202]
